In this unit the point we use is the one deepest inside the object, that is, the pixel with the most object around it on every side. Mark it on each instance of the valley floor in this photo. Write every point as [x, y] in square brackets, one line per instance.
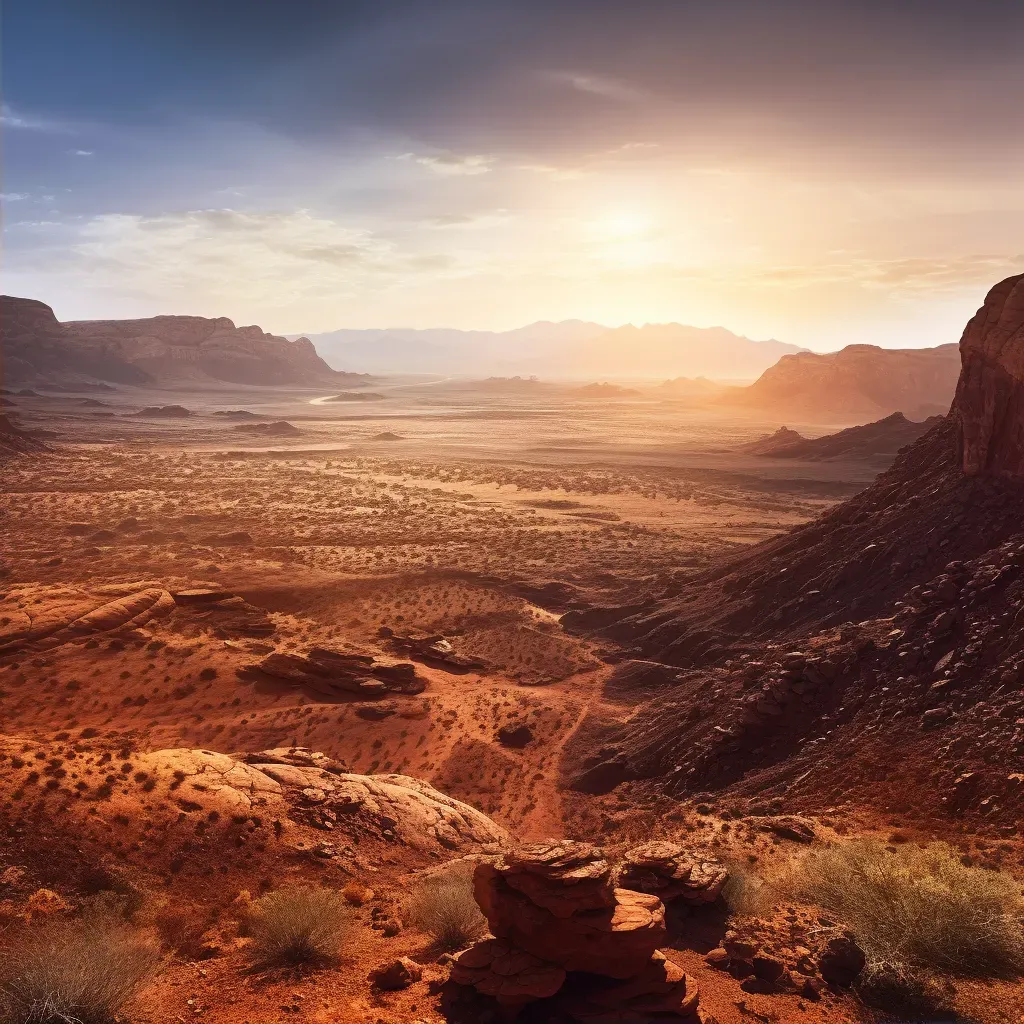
[481, 523]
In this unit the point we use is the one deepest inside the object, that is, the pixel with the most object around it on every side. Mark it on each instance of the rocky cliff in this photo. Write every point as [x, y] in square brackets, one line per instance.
[161, 350]
[859, 382]
[888, 633]
[989, 405]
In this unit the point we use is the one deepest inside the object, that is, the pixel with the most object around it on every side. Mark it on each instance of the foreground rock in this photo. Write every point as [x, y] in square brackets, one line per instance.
[562, 930]
[318, 808]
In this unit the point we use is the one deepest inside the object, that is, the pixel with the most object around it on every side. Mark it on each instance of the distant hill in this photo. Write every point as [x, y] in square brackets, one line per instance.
[858, 382]
[690, 388]
[884, 437]
[37, 349]
[572, 348]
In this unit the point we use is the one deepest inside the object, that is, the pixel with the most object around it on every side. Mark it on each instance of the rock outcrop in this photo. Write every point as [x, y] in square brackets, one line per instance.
[883, 438]
[989, 405]
[562, 929]
[37, 349]
[671, 872]
[15, 442]
[43, 618]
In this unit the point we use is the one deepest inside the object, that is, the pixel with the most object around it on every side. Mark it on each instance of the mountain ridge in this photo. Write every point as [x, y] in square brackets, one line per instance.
[568, 348]
[39, 349]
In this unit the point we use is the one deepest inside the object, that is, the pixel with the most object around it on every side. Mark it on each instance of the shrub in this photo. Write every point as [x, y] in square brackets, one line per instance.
[302, 924]
[181, 928]
[919, 906]
[78, 971]
[907, 991]
[445, 908]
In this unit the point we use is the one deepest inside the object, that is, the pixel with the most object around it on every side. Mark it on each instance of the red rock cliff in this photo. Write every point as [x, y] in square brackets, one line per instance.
[989, 403]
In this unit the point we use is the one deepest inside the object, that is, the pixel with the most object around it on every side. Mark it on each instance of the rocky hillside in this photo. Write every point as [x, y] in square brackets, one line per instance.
[14, 441]
[37, 349]
[859, 382]
[895, 621]
[883, 437]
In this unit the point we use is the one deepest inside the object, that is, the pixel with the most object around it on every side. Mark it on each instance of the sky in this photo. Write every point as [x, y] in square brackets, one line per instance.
[817, 171]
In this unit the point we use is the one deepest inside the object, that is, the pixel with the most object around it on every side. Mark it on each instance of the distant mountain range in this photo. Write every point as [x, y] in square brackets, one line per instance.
[36, 348]
[571, 348]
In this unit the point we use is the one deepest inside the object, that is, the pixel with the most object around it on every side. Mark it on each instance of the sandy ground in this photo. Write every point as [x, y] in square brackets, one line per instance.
[485, 518]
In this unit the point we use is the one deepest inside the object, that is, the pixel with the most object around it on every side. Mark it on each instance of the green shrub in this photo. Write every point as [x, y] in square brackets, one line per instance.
[919, 906]
[298, 924]
[78, 971]
[444, 907]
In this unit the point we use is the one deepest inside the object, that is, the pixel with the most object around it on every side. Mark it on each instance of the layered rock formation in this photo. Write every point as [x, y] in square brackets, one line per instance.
[670, 872]
[857, 383]
[989, 406]
[37, 349]
[561, 928]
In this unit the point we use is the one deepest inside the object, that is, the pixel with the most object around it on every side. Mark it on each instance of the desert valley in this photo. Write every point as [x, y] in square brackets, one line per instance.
[655, 660]
[512, 512]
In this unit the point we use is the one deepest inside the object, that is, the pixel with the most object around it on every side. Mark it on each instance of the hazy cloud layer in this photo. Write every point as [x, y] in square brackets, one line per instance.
[816, 170]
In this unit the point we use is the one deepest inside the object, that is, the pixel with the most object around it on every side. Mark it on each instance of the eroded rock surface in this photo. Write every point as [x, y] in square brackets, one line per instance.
[671, 872]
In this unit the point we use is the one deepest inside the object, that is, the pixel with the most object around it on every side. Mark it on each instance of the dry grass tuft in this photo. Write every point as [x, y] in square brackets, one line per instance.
[303, 924]
[445, 908]
[918, 906]
[79, 971]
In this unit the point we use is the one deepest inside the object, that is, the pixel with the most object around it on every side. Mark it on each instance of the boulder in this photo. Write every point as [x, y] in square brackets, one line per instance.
[398, 974]
[842, 960]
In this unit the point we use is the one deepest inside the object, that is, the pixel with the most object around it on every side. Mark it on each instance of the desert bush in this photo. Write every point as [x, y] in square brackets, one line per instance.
[181, 928]
[904, 990]
[444, 907]
[74, 971]
[919, 906]
[298, 924]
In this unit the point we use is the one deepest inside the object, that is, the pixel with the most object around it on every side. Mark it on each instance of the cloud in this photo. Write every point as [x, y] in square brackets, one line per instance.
[452, 164]
[13, 197]
[468, 220]
[601, 85]
[553, 172]
[227, 256]
[82, 152]
[921, 274]
[11, 119]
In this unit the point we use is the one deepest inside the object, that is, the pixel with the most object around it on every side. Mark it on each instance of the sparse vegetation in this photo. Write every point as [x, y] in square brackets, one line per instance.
[79, 971]
[302, 924]
[445, 908]
[919, 907]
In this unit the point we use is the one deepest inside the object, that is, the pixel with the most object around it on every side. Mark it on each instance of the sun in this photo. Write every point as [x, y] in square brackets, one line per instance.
[624, 224]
